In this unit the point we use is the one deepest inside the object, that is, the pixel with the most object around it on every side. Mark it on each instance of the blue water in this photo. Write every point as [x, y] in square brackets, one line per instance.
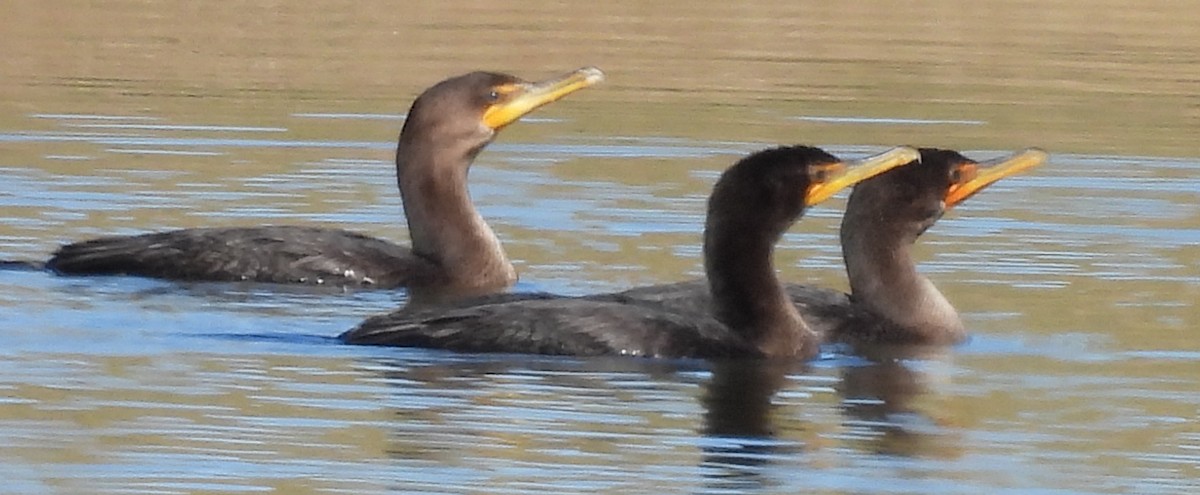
[1078, 281]
[128, 385]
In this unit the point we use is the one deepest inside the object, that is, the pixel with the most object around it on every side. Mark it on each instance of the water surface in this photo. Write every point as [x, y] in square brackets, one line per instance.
[1078, 281]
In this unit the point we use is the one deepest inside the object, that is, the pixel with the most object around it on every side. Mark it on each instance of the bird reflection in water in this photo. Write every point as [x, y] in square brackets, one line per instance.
[895, 403]
[742, 436]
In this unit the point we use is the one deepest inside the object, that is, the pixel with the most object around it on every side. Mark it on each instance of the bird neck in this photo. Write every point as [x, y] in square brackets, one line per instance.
[747, 295]
[884, 279]
[444, 225]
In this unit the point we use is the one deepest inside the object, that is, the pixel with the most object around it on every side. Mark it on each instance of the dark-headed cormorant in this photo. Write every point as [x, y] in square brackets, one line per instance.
[454, 253]
[751, 206]
[889, 300]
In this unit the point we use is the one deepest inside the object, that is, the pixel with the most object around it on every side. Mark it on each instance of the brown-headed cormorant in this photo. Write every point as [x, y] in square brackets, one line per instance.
[454, 253]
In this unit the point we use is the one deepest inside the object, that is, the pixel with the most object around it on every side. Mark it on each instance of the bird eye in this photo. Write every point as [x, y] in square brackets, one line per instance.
[493, 96]
[956, 175]
[963, 173]
[818, 174]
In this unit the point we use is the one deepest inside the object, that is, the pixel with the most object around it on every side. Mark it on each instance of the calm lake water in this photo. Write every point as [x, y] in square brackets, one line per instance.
[1079, 281]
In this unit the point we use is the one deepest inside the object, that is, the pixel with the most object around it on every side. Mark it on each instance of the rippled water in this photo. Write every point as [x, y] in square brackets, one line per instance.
[1079, 280]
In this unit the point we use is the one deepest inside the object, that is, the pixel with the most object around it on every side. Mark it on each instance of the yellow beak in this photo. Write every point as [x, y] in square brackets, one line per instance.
[844, 174]
[997, 169]
[528, 97]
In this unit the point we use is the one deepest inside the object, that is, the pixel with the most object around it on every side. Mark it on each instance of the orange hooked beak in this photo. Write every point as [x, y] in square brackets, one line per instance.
[827, 179]
[974, 177]
[518, 99]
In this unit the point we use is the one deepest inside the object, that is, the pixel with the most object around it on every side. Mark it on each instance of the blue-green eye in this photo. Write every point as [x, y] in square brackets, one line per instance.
[963, 173]
[955, 175]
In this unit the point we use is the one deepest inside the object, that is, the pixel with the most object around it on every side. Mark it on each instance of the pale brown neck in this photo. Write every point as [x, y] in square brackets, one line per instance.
[443, 223]
[884, 279]
[747, 295]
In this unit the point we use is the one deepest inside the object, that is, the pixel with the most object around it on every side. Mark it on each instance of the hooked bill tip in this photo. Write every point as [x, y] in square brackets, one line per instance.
[592, 74]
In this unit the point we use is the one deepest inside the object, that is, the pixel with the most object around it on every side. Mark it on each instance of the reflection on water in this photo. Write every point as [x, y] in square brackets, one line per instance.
[1078, 281]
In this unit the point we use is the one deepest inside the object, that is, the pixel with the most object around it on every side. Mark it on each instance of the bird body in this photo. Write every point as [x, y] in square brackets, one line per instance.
[751, 206]
[890, 301]
[454, 252]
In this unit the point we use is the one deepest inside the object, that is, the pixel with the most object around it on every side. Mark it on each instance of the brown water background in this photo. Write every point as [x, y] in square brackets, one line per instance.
[1079, 281]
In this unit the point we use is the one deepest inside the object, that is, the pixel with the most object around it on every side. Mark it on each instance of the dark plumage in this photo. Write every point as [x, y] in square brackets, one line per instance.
[890, 302]
[277, 254]
[454, 253]
[554, 326]
[751, 206]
